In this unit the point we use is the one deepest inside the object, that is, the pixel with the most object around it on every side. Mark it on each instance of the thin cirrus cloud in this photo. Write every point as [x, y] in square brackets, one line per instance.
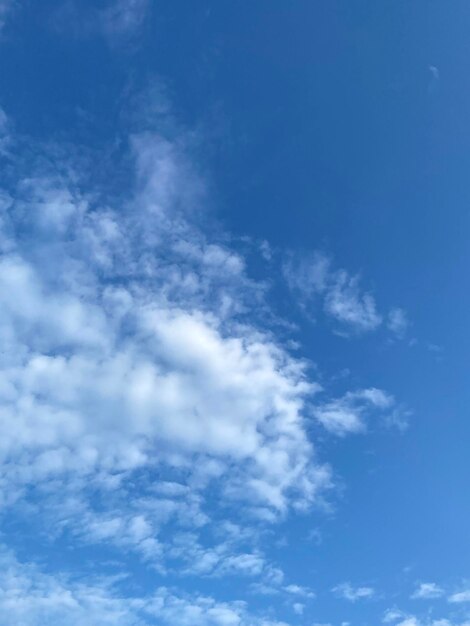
[115, 20]
[313, 279]
[124, 16]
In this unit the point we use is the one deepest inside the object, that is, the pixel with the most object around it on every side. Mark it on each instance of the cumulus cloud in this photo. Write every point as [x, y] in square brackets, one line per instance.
[143, 400]
[460, 596]
[400, 618]
[427, 591]
[348, 592]
[297, 590]
[133, 350]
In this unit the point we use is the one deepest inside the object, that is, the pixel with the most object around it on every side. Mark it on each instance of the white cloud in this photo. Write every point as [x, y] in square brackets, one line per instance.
[348, 592]
[298, 608]
[308, 277]
[427, 591]
[142, 319]
[400, 618]
[347, 415]
[138, 384]
[140, 395]
[29, 597]
[460, 596]
[345, 303]
[392, 615]
[298, 590]
[314, 279]
[397, 322]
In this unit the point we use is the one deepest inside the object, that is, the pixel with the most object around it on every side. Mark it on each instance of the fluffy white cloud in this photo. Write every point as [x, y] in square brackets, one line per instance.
[132, 353]
[138, 383]
[460, 596]
[427, 591]
[299, 591]
[348, 592]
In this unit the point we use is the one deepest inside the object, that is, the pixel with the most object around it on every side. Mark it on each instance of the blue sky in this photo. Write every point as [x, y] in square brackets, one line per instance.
[233, 313]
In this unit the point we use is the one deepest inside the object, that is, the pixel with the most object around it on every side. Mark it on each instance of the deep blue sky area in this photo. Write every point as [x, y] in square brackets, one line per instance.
[322, 129]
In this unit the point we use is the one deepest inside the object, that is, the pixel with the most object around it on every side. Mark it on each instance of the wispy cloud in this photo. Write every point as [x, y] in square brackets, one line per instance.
[117, 20]
[460, 596]
[6, 9]
[314, 279]
[346, 304]
[124, 16]
[347, 414]
[31, 598]
[397, 322]
[402, 618]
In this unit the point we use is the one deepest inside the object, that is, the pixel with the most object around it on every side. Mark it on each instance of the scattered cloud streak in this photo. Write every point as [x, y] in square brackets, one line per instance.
[32, 598]
[118, 20]
[401, 618]
[314, 280]
[6, 8]
[347, 415]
